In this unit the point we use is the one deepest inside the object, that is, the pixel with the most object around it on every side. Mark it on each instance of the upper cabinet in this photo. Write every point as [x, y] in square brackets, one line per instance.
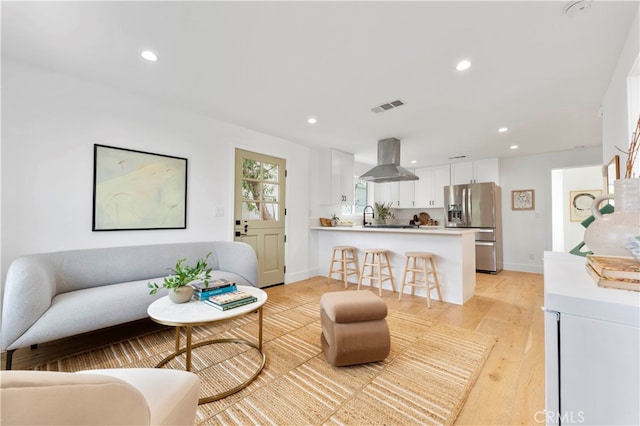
[401, 195]
[475, 172]
[429, 189]
[336, 169]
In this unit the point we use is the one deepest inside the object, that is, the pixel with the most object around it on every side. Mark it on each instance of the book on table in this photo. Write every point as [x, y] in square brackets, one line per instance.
[614, 272]
[202, 292]
[615, 266]
[232, 296]
[231, 305]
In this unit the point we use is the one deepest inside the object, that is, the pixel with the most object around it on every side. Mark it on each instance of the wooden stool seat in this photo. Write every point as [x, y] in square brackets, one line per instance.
[377, 260]
[426, 267]
[347, 263]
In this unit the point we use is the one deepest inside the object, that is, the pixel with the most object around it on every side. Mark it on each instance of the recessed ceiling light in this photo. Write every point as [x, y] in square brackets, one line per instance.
[463, 65]
[312, 120]
[413, 161]
[502, 129]
[149, 56]
[513, 147]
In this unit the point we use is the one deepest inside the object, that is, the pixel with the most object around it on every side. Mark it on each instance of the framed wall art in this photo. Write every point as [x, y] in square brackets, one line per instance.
[523, 199]
[580, 203]
[135, 190]
[611, 173]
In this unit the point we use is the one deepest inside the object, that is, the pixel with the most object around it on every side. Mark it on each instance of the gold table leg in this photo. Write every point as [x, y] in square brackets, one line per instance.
[189, 347]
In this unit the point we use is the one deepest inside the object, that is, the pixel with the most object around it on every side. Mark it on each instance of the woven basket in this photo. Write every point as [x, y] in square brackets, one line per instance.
[325, 221]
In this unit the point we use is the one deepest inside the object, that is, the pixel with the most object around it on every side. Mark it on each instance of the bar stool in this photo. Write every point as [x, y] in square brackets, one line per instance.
[347, 256]
[412, 265]
[376, 260]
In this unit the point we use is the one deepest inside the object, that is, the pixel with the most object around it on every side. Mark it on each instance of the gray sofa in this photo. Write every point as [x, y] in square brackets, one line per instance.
[49, 296]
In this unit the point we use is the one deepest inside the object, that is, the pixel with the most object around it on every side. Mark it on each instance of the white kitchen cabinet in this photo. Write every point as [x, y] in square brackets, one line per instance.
[406, 193]
[475, 171]
[429, 188]
[592, 347]
[337, 184]
[385, 192]
[401, 195]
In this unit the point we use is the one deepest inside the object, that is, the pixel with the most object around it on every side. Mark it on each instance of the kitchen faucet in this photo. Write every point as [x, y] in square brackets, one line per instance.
[364, 216]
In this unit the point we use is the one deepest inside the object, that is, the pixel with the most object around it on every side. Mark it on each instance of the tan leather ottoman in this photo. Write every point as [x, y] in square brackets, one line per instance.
[354, 328]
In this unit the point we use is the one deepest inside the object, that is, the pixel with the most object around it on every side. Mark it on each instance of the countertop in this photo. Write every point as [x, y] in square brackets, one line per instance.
[425, 230]
[568, 288]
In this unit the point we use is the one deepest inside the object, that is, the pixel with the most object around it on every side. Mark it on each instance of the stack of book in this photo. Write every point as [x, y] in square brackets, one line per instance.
[614, 272]
[215, 287]
[230, 300]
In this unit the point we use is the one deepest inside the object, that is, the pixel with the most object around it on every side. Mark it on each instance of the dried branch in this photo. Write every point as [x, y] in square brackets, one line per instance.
[632, 152]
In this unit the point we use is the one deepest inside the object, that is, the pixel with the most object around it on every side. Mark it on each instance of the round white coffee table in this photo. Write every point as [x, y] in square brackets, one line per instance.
[195, 313]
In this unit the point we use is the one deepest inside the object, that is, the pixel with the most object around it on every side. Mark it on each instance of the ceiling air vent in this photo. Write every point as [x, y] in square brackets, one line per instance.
[387, 106]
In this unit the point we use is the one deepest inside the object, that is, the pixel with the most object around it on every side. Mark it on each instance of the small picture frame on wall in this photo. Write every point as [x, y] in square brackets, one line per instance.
[523, 199]
[580, 203]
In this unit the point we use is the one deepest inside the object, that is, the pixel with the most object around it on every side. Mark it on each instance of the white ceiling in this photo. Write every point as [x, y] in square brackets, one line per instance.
[269, 66]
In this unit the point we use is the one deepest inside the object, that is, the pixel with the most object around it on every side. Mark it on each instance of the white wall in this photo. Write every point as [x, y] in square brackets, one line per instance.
[577, 179]
[50, 123]
[615, 106]
[527, 233]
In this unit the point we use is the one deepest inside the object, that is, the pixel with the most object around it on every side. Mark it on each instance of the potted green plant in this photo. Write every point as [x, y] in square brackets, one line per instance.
[334, 219]
[383, 212]
[181, 276]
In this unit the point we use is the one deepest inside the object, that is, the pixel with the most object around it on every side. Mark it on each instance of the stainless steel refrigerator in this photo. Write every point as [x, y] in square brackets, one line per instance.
[477, 205]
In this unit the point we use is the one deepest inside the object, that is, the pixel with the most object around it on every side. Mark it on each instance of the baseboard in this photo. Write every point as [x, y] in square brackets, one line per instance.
[523, 267]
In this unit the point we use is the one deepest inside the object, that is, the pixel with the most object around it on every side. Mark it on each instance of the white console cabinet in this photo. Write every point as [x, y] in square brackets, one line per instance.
[592, 347]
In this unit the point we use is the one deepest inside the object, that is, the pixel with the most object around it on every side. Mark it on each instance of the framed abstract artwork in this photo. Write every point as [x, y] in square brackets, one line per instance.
[580, 203]
[523, 199]
[135, 190]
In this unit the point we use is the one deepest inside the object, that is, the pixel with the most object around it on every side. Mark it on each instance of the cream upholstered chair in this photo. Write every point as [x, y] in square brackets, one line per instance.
[126, 396]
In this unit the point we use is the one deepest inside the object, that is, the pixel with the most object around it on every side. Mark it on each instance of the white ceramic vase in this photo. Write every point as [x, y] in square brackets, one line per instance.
[181, 294]
[607, 235]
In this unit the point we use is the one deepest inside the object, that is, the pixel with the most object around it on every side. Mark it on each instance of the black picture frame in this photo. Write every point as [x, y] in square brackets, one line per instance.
[137, 190]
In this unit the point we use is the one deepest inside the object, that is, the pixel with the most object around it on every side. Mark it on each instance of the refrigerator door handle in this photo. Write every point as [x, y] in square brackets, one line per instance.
[468, 201]
[465, 213]
[485, 243]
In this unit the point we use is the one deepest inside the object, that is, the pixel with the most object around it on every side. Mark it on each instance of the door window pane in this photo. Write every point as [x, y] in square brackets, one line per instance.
[250, 211]
[270, 172]
[270, 192]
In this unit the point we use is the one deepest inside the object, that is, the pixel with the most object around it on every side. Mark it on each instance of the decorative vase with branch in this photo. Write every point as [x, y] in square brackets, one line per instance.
[610, 234]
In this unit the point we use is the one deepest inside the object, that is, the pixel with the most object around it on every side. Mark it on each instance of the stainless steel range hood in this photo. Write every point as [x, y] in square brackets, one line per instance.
[388, 168]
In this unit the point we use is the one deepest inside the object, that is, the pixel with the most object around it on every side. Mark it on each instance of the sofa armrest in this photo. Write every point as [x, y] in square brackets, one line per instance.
[55, 398]
[29, 287]
[239, 258]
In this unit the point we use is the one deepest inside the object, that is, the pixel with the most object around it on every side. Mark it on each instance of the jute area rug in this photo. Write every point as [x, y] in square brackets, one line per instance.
[424, 381]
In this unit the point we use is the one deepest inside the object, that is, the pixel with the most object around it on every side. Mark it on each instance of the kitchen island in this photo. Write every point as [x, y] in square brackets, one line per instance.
[454, 250]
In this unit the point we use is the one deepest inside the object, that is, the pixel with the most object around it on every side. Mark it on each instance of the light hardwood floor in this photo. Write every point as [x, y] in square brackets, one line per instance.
[510, 389]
